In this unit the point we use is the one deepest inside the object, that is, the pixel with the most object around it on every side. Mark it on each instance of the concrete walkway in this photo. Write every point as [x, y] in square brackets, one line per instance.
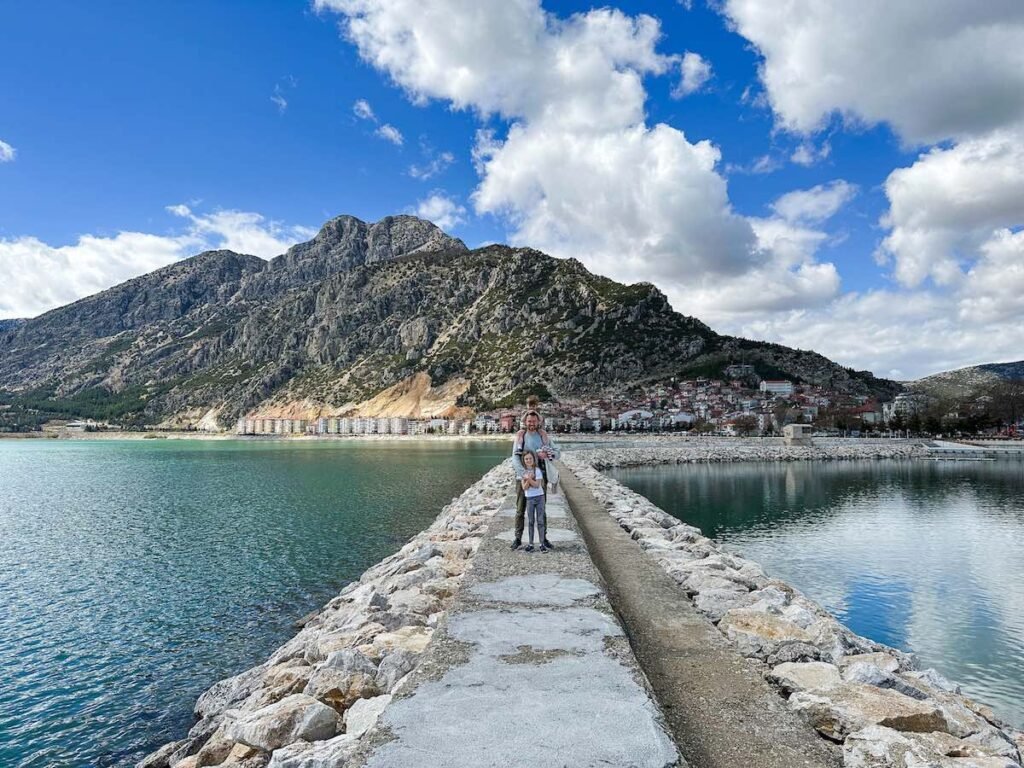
[530, 668]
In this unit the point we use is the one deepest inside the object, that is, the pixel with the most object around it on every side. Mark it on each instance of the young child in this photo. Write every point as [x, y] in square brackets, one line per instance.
[533, 489]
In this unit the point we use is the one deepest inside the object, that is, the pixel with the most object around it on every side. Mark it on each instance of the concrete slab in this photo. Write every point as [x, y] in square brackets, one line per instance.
[557, 512]
[572, 710]
[554, 535]
[536, 589]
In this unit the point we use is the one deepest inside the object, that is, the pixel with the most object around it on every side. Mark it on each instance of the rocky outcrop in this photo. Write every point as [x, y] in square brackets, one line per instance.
[308, 705]
[853, 691]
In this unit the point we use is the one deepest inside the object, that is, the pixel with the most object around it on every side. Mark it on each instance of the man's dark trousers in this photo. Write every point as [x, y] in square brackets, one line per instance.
[521, 504]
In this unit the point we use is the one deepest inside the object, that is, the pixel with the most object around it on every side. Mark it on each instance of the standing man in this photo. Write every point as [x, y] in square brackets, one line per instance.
[535, 439]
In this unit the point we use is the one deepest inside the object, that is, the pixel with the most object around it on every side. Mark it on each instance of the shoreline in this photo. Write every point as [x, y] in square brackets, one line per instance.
[866, 696]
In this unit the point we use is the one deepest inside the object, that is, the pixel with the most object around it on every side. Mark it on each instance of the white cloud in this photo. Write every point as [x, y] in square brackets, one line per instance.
[951, 202]
[900, 334]
[579, 173]
[806, 154]
[363, 110]
[36, 276]
[278, 98]
[934, 70]
[695, 71]
[442, 210]
[815, 204]
[388, 132]
[242, 231]
[7, 152]
[954, 223]
[434, 165]
[790, 276]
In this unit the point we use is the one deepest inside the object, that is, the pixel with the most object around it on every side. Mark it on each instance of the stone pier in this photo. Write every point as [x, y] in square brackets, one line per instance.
[531, 667]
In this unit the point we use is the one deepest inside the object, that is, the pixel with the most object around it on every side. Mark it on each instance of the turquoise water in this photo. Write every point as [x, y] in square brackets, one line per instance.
[924, 556]
[133, 574]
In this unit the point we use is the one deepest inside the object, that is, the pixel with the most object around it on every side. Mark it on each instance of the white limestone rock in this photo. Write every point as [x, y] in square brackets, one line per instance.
[363, 715]
[758, 634]
[848, 707]
[293, 718]
[322, 754]
[806, 676]
[884, 661]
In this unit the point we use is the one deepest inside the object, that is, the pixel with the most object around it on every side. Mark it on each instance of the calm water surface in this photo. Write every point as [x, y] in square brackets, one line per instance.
[924, 556]
[133, 574]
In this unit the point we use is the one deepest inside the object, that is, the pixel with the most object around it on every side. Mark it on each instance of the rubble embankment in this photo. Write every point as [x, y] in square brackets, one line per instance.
[863, 695]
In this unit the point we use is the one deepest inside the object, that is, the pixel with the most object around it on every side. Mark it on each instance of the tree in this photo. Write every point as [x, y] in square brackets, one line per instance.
[746, 425]
[1006, 403]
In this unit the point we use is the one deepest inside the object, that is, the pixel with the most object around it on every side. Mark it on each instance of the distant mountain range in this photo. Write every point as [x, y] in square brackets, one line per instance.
[968, 382]
[371, 319]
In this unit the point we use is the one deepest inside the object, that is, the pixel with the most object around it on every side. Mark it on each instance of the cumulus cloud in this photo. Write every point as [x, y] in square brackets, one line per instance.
[791, 275]
[953, 228]
[442, 210]
[950, 203]
[36, 276]
[695, 71]
[579, 172]
[7, 152]
[830, 57]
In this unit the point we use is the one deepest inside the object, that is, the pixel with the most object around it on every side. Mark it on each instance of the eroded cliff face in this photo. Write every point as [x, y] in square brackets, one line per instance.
[391, 318]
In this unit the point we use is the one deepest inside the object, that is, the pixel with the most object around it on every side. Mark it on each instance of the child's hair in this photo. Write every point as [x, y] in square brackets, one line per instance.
[532, 403]
[536, 461]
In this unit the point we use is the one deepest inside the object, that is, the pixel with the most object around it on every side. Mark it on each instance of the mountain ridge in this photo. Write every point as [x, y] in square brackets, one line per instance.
[361, 308]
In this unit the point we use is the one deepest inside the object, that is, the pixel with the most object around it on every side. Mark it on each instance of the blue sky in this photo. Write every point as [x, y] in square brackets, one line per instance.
[136, 133]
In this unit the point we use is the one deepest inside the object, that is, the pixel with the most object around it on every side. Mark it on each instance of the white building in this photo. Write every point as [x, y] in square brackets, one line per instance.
[777, 387]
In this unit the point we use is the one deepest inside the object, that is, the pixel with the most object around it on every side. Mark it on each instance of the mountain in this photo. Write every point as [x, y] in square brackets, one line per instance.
[10, 324]
[970, 382]
[372, 319]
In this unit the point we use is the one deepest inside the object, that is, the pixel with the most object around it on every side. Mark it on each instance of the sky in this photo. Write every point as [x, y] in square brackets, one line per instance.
[841, 177]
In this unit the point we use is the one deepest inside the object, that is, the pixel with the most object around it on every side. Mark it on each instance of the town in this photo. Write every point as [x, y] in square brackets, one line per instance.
[740, 404]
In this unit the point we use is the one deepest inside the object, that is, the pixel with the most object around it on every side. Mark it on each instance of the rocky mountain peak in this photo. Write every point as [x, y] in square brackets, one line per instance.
[346, 242]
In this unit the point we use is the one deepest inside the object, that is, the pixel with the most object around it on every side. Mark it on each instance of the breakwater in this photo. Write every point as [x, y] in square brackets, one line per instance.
[358, 682]
[869, 698]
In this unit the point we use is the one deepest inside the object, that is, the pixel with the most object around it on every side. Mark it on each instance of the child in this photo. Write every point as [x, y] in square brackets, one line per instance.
[533, 489]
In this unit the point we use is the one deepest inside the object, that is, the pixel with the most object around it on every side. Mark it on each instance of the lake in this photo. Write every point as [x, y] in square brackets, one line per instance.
[921, 555]
[135, 573]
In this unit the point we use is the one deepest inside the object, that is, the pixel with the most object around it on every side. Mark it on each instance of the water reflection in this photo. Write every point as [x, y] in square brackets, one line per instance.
[924, 556]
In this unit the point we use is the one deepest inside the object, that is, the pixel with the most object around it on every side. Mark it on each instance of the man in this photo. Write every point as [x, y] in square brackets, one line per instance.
[533, 438]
